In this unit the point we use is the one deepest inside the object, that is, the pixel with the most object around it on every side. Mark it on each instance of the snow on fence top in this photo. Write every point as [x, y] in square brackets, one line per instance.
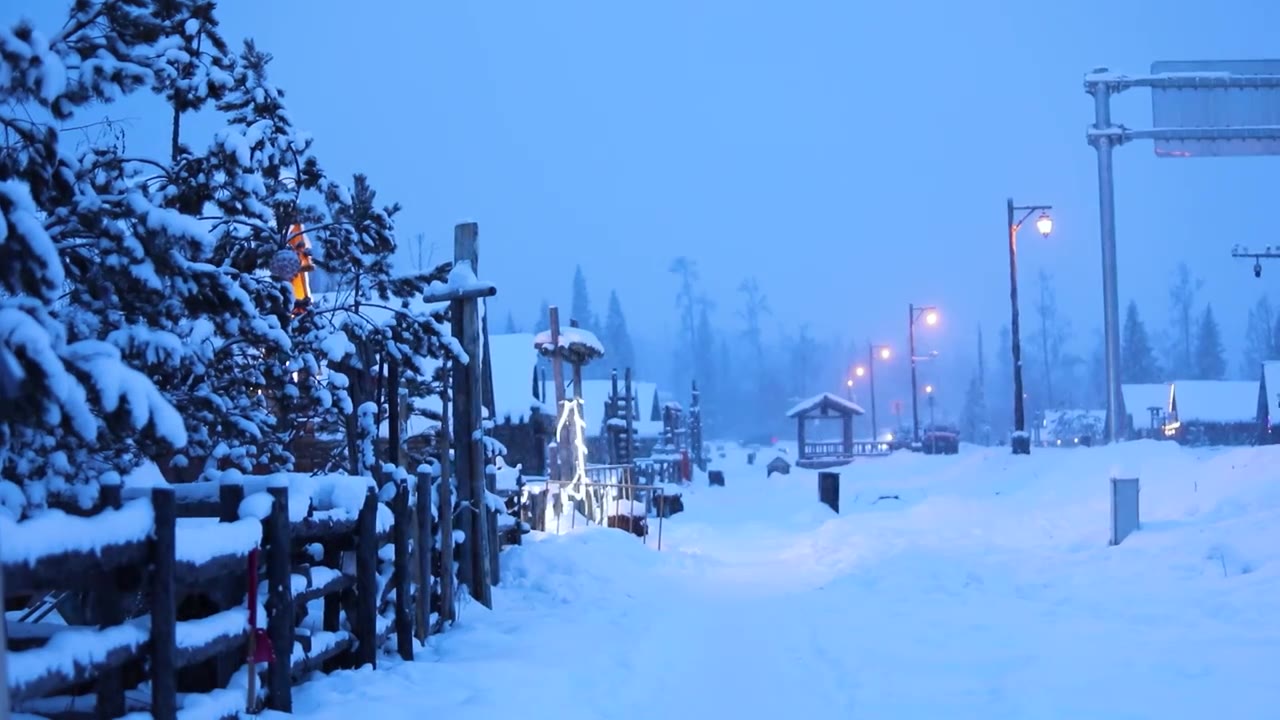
[1216, 401]
[54, 532]
[578, 344]
[828, 404]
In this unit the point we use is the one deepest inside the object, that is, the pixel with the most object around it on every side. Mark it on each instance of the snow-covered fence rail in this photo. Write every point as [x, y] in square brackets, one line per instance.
[150, 552]
[132, 548]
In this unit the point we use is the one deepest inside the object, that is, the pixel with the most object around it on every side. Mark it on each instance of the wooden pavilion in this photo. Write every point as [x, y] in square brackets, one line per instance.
[815, 448]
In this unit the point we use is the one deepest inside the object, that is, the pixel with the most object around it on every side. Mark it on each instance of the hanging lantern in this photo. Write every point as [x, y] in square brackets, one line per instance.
[301, 249]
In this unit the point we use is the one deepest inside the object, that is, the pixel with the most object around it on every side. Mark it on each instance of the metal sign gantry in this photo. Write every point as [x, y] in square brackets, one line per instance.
[1199, 109]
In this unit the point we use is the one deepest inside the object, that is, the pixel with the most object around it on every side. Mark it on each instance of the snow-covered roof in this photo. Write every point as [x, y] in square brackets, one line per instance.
[1139, 398]
[580, 344]
[1271, 378]
[826, 404]
[1216, 401]
[513, 359]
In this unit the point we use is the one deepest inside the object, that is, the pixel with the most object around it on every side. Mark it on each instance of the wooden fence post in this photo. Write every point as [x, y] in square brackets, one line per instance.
[108, 610]
[447, 589]
[467, 411]
[366, 620]
[400, 538]
[230, 495]
[164, 606]
[280, 612]
[423, 550]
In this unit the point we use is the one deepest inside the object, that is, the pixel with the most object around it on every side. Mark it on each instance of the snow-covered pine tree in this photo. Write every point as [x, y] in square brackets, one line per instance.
[1211, 363]
[74, 410]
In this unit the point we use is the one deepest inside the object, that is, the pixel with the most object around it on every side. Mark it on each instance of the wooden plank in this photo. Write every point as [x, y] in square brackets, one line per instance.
[336, 584]
[366, 620]
[280, 608]
[217, 647]
[74, 571]
[67, 673]
[230, 496]
[311, 663]
[164, 606]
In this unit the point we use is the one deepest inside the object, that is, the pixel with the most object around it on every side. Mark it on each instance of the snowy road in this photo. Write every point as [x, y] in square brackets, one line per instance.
[986, 591]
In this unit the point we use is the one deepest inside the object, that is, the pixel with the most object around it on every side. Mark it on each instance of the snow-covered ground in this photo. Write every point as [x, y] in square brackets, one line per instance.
[987, 590]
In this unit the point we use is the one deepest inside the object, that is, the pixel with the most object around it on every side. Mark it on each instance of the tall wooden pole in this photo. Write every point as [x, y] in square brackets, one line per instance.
[557, 378]
[468, 412]
[4, 655]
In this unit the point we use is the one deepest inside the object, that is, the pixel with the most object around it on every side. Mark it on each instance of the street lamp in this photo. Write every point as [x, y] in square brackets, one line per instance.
[849, 385]
[874, 351]
[1021, 441]
[930, 315]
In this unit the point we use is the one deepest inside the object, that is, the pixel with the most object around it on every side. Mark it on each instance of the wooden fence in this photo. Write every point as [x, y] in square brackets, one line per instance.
[144, 557]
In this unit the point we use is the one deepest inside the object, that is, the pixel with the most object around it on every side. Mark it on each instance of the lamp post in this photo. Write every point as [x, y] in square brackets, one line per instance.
[849, 385]
[1021, 441]
[873, 351]
[930, 315]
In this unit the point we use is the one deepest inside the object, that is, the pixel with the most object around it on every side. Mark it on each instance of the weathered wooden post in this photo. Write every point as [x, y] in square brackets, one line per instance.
[633, 409]
[400, 540]
[469, 455]
[613, 432]
[829, 490]
[366, 620]
[695, 428]
[447, 589]
[422, 550]
[564, 451]
[280, 610]
[1124, 508]
[108, 610]
[164, 605]
[230, 495]
[393, 412]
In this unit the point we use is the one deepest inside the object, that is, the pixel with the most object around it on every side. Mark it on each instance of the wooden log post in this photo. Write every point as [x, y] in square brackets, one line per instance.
[445, 516]
[280, 610]
[393, 412]
[563, 449]
[164, 605]
[423, 555]
[230, 495]
[109, 612]
[400, 539]
[467, 422]
[366, 620]
[829, 490]
[633, 409]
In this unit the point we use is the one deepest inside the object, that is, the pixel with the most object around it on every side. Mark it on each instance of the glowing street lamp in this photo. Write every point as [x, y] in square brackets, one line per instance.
[859, 371]
[1021, 441]
[930, 315]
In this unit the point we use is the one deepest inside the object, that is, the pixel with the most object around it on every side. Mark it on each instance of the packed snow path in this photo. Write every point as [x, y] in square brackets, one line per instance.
[986, 590]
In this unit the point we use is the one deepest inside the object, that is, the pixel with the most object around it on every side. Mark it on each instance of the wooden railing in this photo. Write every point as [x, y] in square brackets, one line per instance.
[840, 450]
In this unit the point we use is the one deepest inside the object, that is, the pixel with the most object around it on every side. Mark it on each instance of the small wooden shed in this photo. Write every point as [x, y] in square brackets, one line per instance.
[816, 440]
